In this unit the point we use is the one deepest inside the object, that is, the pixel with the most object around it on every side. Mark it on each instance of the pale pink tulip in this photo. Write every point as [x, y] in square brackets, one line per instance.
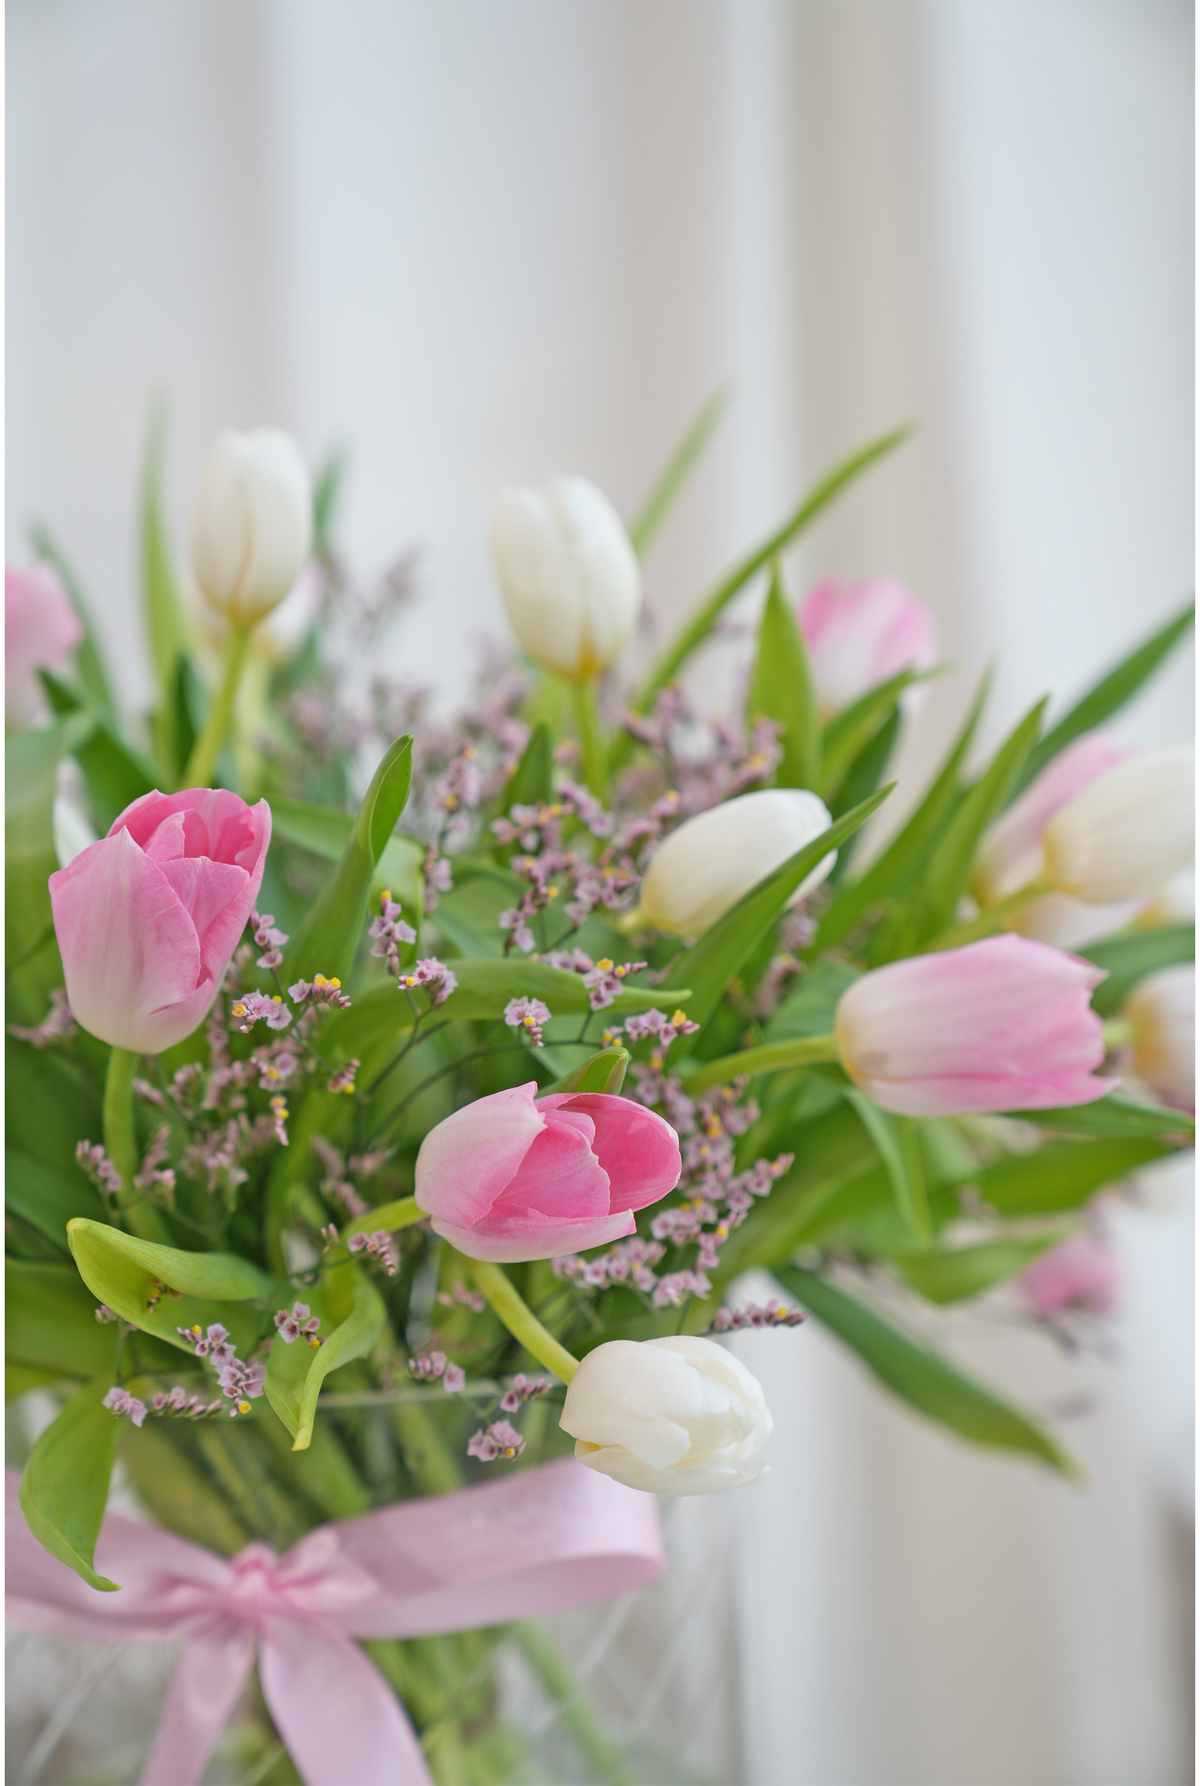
[41, 628]
[1004, 1024]
[1081, 1273]
[507, 1178]
[148, 917]
[1012, 855]
[861, 635]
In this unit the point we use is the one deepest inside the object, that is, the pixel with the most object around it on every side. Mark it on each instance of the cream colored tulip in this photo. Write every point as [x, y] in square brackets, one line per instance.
[1128, 832]
[252, 523]
[570, 579]
[1161, 1014]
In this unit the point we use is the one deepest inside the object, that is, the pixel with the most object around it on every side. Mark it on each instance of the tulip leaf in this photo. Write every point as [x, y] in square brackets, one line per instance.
[850, 731]
[1128, 958]
[51, 1105]
[920, 1377]
[782, 689]
[160, 597]
[1113, 1116]
[1107, 696]
[892, 871]
[64, 1485]
[818, 499]
[944, 1274]
[1062, 1176]
[293, 1383]
[323, 830]
[88, 662]
[602, 1072]
[48, 1197]
[530, 781]
[709, 966]
[895, 1141]
[861, 779]
[50, 1321]
[128, 1275]
[328, 938]
[678, 470]
[114, 774]
[31, 762]
[931, 907]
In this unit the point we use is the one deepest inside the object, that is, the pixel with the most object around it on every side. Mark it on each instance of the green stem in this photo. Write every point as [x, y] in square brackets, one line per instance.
[520, 1320]
[601, 1755]
[595, 756]
[772, 1057]
[990, 920]
[207, 748]
[389, 1216]
[120, 1141]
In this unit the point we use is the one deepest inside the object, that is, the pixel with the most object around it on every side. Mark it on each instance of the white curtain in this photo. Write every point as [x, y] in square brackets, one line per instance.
[495, 239]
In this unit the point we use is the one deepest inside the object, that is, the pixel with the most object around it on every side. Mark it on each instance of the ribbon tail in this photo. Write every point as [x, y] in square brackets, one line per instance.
[338, 1716]
[200, 1700]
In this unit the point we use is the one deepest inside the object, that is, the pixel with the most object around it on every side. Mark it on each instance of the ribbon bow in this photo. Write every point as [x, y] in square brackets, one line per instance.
[532, 1544]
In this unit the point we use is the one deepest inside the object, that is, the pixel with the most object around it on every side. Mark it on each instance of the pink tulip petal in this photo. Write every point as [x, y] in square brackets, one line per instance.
[559, 1180]
[214, 895]
[214, 823]
[541, 1242]
[638, 1150]
[466, 1161]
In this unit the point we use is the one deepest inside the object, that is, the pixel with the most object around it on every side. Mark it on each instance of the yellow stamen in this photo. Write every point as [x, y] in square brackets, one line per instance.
[605, 965]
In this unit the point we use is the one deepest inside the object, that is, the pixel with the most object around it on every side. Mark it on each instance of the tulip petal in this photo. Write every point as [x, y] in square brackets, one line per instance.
[637, 1148]
[542, 1242]
[215, 897]
[209, 822]
[559, 1180]
[466, 1161]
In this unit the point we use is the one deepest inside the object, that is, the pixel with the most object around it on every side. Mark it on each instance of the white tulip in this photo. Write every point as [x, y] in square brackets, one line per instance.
[676, 1416]
[1161, 1013]
[705, 866]
[1127, 832]
[252, 523]
[570, 579]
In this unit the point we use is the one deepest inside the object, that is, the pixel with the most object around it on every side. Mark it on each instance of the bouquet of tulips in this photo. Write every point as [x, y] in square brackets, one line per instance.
[370, 1151]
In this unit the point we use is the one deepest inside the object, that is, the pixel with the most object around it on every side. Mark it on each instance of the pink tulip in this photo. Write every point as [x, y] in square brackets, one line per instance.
[1012, 854]
[40, 629]
[1081, 1273]
[508, 1178]
[148, 918]
[1004, 1024]
[862, 635]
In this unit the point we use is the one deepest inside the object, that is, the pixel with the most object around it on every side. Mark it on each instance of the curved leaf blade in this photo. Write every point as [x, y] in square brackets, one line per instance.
[64, 1485]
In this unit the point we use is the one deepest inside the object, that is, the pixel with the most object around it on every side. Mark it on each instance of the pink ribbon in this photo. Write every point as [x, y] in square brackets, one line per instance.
[530, 1544]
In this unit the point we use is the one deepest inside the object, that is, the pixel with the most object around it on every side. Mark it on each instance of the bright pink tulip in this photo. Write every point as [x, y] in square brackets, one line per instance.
[1081, 1273]
[508, 1178]
[40, 629]
[999, 1025]
[148, 918]
[862, 635]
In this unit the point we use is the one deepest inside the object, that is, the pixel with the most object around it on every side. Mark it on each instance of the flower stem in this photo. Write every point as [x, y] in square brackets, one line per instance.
[520, 1319]
[772, 1057]
[120, 1140]
[990, 920]
[390, 1216]
[207, 748]
[595, 757]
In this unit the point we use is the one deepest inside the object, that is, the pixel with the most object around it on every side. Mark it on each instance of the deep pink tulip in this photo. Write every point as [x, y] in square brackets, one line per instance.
[861, 635]
[1080, 1273]
[1004, 1024]
[508, 1178]
[148, 917]
[40, 629]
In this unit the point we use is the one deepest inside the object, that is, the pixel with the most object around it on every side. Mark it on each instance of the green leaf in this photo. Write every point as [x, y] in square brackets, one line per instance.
[920, 1377]
[51, 1105]
[291, 1390]
[115, 775]
[952, 1275]
[530, 781]
[1107, 696]
[1128, 958]
[88, 661]
[782, 690]
[860, 780]
[160, 596]
[48, 1197]
[716, 958]
[64, 1485]
[678, 470]
[896, 1143]
[328, 938]
[602, 1072]
[127, 1274]
[1061, 1176]
[892, 871]
[50, 1321]
[850, 731]
[327, 491]
[945, 878]
[1110, 1116]
[818, 499]
[811, 1008]
[31, 762]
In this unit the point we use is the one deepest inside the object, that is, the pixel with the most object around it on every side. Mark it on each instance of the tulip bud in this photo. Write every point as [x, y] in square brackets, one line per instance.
[860, 636]
[1161, 1014]
[40, 629]
[705, 866]
[148, 918]
[507, 1178]
[1128, 831]
[252, 524]
[1081, 1273]
[1005, 1024]
[675, 1416]
[570, 579]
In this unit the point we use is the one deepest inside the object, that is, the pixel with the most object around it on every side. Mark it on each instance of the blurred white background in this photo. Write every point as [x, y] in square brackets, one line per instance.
[491, 240]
